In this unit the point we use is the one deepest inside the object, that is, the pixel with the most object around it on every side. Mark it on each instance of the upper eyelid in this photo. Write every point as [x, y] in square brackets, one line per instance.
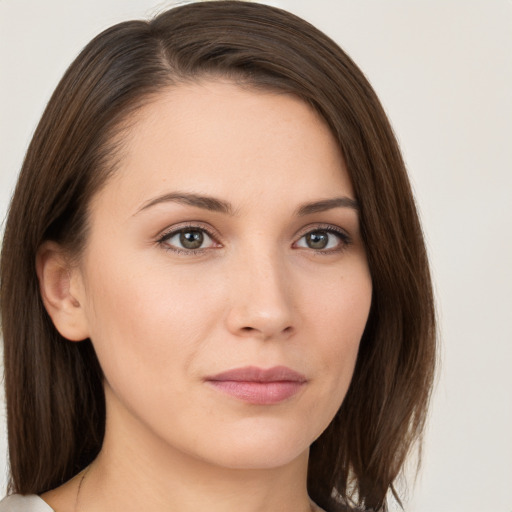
[174, 229]
[215, 236]
[323, 227]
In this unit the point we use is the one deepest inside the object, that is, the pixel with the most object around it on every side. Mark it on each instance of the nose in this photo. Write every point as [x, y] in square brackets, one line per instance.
[261, 296]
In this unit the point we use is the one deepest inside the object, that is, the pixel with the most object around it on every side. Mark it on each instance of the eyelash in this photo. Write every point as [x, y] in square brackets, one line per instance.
[343, 237]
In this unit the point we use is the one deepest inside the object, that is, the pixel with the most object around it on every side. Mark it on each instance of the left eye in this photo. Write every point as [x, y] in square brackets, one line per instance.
[188, 239]
[321, 240]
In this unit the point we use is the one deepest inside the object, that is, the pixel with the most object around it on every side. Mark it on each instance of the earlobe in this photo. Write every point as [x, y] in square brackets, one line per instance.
[57, 285]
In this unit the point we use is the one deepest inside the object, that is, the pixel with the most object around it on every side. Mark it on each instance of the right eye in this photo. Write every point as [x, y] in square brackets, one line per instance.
[188, 239]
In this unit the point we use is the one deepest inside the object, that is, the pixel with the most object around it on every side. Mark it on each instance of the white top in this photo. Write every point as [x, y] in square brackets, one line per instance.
[28, 503]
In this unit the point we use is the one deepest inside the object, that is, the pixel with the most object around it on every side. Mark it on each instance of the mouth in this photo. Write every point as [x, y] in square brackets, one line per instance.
[259, 386]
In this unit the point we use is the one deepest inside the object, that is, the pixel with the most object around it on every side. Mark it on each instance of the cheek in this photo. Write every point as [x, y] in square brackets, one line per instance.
[146, 317]
[340, 307]
[338, 313]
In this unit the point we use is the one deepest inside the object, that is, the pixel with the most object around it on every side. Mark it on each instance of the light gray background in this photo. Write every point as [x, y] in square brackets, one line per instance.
[443, 70]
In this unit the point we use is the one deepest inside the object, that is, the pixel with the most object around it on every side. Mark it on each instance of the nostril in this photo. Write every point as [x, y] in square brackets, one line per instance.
[251, 330]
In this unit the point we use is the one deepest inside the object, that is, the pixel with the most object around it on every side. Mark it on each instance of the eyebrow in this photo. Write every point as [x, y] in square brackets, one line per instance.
[327, 204]
[197, 200]
[221, 206]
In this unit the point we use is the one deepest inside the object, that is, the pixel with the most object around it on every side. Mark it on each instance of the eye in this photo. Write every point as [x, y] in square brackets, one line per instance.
[325, 239]
[188, 239]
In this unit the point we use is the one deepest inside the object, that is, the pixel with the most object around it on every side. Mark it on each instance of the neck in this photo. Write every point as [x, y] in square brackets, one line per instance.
[184, 489]
[150, 475]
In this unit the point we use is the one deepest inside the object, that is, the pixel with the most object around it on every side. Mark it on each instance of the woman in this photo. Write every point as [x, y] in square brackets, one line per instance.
[215, 292]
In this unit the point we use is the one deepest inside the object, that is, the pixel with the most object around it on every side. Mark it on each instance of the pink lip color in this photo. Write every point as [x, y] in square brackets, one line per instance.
[258, 386]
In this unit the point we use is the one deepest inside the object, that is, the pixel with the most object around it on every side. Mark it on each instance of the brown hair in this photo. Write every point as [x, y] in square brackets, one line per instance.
[55, 401]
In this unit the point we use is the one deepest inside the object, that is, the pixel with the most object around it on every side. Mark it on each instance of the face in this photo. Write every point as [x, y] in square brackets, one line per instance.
[224, 284]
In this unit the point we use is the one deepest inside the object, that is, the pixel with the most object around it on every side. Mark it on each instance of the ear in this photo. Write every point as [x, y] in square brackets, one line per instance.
[60, 285]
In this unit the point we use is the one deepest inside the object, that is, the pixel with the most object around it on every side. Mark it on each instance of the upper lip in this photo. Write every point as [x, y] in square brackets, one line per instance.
[255, 374]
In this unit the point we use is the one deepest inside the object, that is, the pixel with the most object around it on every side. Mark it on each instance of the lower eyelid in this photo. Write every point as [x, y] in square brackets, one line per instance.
[344, 239]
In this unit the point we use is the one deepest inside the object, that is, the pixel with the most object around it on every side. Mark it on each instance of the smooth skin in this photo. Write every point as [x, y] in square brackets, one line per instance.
[228, 237]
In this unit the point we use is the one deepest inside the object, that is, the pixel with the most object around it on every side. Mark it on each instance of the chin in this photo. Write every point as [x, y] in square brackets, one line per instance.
[249, 458]
[260, 446]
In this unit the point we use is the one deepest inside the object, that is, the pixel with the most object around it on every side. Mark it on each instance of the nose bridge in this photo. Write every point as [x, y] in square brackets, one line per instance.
[261, 299]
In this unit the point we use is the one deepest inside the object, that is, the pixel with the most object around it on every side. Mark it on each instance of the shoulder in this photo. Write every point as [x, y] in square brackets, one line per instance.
[27, 503]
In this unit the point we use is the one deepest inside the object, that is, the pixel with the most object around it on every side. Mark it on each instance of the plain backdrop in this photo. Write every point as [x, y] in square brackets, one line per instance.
[443, 70]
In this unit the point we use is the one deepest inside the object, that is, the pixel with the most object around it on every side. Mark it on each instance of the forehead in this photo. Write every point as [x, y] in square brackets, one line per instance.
[217, 138]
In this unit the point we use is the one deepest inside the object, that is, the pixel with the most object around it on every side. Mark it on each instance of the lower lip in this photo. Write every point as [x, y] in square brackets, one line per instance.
[259, 393]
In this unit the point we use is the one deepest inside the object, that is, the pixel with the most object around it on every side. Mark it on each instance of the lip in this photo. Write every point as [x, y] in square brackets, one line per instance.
[257, 385]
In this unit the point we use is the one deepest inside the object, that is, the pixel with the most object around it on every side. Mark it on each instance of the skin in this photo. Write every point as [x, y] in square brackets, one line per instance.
[162, 317]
